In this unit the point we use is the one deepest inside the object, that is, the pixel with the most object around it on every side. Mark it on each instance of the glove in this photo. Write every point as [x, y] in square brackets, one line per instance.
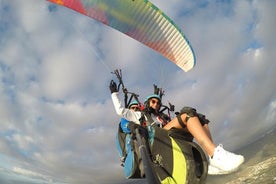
[113, 87]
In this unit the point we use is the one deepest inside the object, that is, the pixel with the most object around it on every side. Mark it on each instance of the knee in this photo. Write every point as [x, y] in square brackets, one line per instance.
[189, 111]
[185, 114]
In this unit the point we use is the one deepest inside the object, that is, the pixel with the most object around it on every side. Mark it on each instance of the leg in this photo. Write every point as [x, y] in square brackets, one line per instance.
[221, 161]
[195, 128]
[207, 131]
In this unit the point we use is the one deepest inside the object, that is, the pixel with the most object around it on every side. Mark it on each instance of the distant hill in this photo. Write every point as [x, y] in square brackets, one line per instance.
[259, 166]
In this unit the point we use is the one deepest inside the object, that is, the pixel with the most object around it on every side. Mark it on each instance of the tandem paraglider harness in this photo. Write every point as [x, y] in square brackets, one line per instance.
[160, 156]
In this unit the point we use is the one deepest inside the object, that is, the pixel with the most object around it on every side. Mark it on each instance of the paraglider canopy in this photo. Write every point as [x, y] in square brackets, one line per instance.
[142, 21]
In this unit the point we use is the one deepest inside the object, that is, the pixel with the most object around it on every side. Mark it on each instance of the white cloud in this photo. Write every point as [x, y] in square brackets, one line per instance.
[29, 173]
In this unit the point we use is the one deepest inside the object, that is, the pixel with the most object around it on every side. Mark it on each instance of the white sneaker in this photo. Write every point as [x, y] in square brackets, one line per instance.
[215, 171]
[226, 161]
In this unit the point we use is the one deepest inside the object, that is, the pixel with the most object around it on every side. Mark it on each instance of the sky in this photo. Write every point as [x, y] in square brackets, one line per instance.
[58, 123]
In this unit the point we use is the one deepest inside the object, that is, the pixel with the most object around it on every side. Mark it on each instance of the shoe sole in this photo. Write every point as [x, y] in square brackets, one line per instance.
[221, 172]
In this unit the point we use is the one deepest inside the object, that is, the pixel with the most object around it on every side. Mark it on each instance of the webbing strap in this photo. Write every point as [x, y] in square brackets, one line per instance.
[148, 120]
[181, 123]
[121, 139]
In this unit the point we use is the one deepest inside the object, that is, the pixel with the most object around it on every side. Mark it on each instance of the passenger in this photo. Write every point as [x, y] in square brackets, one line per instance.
[123, 131]
[134, 105]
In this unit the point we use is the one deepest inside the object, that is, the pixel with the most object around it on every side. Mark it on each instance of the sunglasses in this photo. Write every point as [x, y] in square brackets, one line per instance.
[135, 108]
[155, 102]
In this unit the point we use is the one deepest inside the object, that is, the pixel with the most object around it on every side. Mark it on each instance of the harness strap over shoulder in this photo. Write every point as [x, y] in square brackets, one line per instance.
[145, 119]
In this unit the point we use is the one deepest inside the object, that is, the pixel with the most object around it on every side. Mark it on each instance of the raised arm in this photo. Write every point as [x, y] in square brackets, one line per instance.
[120, 109]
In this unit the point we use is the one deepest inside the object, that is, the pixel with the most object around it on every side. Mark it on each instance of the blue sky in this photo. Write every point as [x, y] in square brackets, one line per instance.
[57, 120]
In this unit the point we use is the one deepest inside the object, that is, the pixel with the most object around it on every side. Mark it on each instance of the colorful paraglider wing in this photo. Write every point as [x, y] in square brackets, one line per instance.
[141, 20]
